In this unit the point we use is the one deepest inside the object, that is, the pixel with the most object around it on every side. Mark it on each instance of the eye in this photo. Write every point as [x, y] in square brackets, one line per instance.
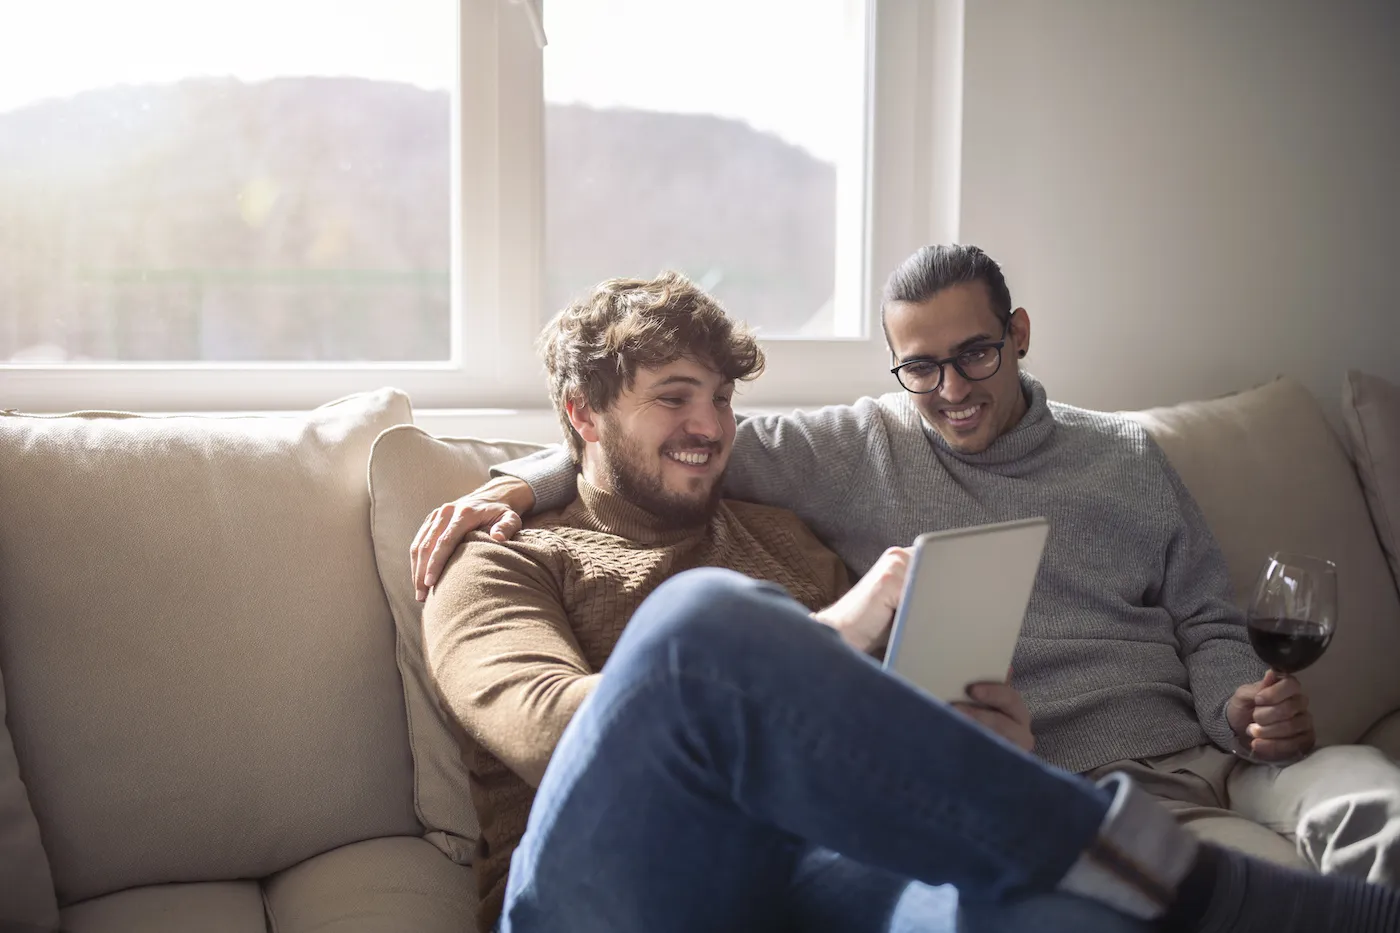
[974, 356]
[671, 401]
[722, 401]
[921, 368]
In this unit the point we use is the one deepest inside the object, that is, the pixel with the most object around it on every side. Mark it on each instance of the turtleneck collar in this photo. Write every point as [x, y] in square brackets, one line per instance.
[1035, 428]
[612, 514]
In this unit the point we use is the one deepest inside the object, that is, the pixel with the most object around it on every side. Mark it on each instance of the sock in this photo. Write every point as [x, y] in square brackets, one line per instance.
[1230, 892]
[1139, 858]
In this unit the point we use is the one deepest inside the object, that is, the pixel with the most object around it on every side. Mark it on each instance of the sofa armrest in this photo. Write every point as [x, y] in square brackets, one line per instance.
[1385, 735]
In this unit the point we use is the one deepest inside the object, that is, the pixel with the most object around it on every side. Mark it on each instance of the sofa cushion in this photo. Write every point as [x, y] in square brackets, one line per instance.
[220, 907]
[1371, 410]
[410, 474]
[197, 653]
[1269, 474]
[27, 895]
[378, 886]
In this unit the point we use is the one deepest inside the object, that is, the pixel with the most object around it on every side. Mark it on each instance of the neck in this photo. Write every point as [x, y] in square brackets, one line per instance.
[610, 512]
[591, 468]
[1018, 411]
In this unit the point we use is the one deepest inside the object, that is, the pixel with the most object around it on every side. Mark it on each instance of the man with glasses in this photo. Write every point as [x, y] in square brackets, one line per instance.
[1132, 656]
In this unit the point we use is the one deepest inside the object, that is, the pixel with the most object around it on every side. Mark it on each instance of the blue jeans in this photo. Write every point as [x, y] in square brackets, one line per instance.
[734, 746]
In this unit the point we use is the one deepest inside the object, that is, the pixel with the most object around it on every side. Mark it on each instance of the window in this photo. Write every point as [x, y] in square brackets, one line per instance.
[257, 182]
[269, 204]
[709, 136]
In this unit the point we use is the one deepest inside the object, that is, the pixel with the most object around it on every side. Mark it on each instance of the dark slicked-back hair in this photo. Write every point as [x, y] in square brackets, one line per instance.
[934, 268]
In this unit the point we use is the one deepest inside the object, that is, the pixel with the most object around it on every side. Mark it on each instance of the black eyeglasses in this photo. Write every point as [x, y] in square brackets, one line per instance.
[925, 374]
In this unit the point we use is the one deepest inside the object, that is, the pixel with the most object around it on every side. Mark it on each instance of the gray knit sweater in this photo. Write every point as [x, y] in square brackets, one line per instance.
[1131, 646]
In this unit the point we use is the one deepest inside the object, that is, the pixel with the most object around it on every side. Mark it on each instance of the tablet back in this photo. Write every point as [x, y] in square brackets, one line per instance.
[963, 604]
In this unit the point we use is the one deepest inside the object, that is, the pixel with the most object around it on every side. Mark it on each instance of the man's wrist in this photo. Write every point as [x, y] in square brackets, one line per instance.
[512, 492]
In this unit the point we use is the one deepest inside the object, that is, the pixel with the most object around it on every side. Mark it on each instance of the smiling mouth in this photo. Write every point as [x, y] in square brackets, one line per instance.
[690, 457]
[963, 417]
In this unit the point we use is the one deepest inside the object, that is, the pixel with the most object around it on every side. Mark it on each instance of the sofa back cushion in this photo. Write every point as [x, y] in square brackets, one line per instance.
[1270, 475]
[197, 654]
[1371, 410]
[411, 473]
[27, 896]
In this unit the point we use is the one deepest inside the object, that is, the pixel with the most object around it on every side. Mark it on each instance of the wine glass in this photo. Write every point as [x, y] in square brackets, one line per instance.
[1293, 613]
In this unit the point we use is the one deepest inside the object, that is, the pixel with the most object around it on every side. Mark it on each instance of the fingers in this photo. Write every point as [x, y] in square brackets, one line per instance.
[1275, 692]
[1014, 732]
[1282, 727]
[894, 564]
[1002, 698]
[446, 542]
[507, 526]
[884, 582]
[468, 518]
[1295, 705]
[422, 544]
[1290, 728]
[1281, 749]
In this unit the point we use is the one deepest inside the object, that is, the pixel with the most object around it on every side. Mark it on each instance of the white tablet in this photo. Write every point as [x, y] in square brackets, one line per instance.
[963, 604]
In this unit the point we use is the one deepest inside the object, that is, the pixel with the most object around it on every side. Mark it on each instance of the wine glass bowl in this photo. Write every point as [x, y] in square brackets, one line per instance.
[1293, 614]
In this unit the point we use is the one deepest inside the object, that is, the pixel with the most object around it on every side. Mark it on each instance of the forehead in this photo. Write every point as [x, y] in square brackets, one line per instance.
[938, 324]
[685, 371]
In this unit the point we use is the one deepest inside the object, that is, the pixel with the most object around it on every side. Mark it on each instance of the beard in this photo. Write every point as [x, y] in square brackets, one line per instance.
[632, 481]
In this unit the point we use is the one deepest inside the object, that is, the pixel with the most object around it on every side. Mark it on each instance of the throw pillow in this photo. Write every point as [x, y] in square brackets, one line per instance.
[411, 473]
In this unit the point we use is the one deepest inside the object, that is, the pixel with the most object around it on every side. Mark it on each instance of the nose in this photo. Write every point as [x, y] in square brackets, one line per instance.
[954, 387]
[704, 421]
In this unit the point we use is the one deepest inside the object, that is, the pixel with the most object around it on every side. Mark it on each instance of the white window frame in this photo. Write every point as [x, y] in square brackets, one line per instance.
[908, 197]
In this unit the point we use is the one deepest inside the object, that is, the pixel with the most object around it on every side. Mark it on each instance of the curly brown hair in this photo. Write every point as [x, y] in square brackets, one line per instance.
[593, 348]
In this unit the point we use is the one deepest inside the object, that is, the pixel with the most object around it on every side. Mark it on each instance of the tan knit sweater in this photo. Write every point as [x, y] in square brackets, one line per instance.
[515, 633]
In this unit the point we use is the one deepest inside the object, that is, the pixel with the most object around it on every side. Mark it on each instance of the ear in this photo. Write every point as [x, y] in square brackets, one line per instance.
[1020, 332]
[584, 420]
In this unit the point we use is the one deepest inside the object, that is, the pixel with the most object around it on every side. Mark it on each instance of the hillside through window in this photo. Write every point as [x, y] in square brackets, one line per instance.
[271, 181]
[706, 136]
[264, 181]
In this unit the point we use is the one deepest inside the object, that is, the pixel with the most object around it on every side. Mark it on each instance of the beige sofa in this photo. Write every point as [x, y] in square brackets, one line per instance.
[216, 713]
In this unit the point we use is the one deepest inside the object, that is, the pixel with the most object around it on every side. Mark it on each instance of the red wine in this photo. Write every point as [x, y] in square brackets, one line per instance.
[1288, 645]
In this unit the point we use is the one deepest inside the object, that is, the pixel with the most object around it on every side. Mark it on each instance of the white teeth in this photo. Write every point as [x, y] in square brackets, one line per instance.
[964, 414]
[690, 458]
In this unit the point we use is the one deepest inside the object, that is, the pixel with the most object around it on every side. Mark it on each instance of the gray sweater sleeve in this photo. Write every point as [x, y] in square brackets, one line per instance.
[551, 473]
[803, 462]
[1210, 629]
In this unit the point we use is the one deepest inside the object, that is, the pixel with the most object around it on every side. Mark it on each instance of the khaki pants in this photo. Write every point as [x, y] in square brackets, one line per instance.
[1338, 810]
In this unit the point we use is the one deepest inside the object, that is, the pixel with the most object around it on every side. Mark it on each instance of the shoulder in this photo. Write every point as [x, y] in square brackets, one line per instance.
[538, 552]
[1110, 432]
[830, 422]
[480, 554]
[1117, 450]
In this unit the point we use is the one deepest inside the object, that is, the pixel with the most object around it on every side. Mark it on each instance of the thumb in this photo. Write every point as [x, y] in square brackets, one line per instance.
[1270, 678]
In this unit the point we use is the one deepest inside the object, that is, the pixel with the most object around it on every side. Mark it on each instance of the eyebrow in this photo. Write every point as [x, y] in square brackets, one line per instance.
[965, 345]
[678, 380]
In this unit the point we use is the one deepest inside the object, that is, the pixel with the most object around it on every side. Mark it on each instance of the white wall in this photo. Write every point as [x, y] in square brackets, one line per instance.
[1189, 196]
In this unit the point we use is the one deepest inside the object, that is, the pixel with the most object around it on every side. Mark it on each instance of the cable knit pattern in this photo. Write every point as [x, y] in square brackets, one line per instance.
[1130, 647]
[515, 633]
